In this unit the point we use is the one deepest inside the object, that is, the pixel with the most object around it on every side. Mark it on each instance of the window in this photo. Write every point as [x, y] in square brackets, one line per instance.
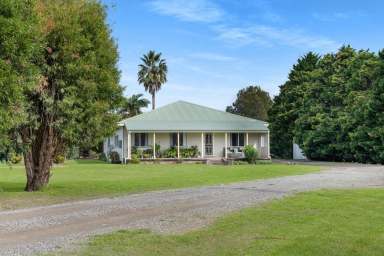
[237, 139]
[173, 137]
[208, 139]
[141, 139]
[116, 140]
[109, 142]
[234, 139]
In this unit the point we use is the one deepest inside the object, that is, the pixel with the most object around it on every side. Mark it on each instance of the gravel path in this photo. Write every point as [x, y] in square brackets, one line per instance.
[28, 231]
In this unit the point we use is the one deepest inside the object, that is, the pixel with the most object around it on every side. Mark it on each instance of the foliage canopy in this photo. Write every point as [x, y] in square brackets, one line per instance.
[251, 102]
[333, 108]
[132, 106]
[152, 73]
[58, 68]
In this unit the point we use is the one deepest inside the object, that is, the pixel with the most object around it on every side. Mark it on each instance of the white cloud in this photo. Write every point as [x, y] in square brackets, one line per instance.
[188, 10]
[238, 36]
[265, 35]
[270, 36]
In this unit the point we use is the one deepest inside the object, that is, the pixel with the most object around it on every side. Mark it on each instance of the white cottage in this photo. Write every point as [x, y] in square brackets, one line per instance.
[179, 126]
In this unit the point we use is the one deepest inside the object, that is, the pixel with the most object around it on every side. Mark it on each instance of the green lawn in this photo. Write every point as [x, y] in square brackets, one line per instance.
[91, 179]
[321, 223]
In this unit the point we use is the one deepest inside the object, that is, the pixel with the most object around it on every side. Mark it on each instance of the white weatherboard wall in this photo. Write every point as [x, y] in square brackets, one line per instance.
[163, 140]
[254, 140]
[194, 139]
[116, 147]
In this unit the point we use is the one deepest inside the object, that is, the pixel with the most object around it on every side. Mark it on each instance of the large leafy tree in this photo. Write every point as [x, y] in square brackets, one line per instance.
[76, 86]
[286, 105]
[332, 107]
[19, 48]
[251, 102]
[339, 89]
[366, 108]
[152, 73]
[132, 106]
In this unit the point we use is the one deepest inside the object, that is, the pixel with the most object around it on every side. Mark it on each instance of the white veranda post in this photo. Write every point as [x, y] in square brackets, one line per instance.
[154, 145]
[269, 152]
[202, 145]
[226, 146]
[246, 139]
[122, 150]
[129, 146]
[178, 145]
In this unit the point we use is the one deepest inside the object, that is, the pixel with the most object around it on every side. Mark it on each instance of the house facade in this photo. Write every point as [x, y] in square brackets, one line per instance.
[183, 130]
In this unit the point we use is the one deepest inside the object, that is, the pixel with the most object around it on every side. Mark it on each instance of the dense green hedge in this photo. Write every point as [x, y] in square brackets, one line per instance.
[333, 107]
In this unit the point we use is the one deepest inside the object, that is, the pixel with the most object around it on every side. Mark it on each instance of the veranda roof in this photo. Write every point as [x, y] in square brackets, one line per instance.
[185, 116]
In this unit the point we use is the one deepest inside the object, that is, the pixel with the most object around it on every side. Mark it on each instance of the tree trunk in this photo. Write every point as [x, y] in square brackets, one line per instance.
[38, 158]
[153, 101]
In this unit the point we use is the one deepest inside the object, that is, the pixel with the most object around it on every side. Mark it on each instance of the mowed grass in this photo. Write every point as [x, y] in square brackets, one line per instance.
[321, 223]
[91, 179]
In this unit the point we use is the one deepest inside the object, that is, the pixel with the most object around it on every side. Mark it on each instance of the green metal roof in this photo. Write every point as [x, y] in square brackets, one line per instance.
[185, 116]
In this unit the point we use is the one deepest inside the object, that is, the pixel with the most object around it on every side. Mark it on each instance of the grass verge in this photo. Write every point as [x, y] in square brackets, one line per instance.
[339, 223]
[91, 179]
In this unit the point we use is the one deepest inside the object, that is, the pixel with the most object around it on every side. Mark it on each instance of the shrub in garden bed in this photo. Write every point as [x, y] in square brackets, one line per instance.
[15, 158]
[59, 159]
[115, 157]
[134, 159]
[250, 154]
[191, 152]
[170, 153]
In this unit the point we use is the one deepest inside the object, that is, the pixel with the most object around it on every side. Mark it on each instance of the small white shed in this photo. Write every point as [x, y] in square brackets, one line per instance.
[298, 153]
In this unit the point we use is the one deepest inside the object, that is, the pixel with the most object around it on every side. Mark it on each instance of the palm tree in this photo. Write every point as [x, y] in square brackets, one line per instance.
[132, 106]
[152, 73]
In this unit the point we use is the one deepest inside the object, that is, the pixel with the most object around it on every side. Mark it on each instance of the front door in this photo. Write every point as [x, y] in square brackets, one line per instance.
[208, 144]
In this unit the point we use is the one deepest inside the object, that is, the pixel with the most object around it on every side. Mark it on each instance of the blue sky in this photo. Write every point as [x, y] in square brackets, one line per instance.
[216, 47]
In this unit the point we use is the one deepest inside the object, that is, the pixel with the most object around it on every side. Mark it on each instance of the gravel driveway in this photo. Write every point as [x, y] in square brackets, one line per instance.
[28, 231]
